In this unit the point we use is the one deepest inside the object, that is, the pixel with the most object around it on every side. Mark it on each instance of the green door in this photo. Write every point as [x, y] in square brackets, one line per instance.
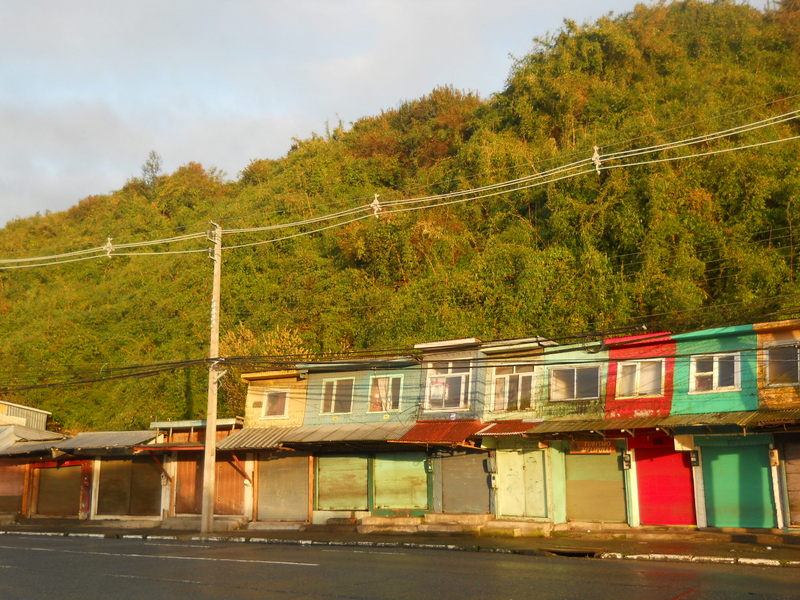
[520, 484]
[738, 486]
[342, 483]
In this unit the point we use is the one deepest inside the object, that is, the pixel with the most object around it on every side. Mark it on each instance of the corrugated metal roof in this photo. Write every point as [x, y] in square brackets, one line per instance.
[254, 438]
[261, 438]
[106, 439]
[568, 425]
[750, 418]
[509, 427]
[27, 448]
[453, 432]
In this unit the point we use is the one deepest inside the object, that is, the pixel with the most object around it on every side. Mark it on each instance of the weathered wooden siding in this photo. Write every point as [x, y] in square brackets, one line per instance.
[229, 488]
[595, 488]
[775, 334]
[283, 488]
[737, 480]
[129, 487]
[12, 483]
[342, 483]
[400, 481]
[741, 339]
[189, 484]
[256, 397]
[634, 348]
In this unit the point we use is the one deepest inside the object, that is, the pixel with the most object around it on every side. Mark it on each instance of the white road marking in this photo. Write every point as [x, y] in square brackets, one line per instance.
[167, 556]
[156, 579]
[176, 545]
[364, 552]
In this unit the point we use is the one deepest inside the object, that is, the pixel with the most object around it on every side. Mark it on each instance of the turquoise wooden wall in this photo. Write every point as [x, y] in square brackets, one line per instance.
[740, 338]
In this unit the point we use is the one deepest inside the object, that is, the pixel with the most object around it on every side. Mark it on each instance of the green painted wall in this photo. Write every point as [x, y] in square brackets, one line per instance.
[740, 338]
[564, 356]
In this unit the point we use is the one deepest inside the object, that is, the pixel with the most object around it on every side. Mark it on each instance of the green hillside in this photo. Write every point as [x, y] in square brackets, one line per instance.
[674, 244]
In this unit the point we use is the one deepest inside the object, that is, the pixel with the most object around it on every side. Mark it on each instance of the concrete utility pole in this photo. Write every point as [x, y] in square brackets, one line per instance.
[210, 455]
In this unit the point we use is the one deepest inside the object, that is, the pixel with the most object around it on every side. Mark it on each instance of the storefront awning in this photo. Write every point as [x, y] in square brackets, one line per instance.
[272, 437]
[506, 428]
[442, 432]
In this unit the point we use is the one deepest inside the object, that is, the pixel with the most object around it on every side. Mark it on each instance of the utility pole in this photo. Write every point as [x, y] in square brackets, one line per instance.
[210, 454]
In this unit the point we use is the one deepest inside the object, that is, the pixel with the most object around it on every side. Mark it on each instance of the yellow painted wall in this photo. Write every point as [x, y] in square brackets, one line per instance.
[256, 397]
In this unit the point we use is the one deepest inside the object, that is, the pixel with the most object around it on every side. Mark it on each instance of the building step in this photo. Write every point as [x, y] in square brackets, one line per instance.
[379, 521]
[332, 528]
[389, 529]
[448, 528]
[469, 519]
[276, 525]
[517, 528]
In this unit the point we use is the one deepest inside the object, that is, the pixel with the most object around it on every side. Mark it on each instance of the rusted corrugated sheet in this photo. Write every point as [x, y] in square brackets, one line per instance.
[743, 418]
[567, 425]
[503, 428]
[443, 432]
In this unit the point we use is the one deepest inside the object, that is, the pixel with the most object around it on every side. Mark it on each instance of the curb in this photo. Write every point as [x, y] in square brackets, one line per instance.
[684, 558]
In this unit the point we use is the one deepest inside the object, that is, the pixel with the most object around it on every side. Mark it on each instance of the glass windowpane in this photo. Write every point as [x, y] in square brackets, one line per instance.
[650, 378]
[726, 371]
[782, 365]
[626, 384]
[562, 384]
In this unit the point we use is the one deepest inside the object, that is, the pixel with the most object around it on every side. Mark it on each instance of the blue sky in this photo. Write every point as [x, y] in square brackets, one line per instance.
[90, 87]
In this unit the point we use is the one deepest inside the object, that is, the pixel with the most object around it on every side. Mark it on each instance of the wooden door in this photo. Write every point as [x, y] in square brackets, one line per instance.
[12, 482]
[59, 491]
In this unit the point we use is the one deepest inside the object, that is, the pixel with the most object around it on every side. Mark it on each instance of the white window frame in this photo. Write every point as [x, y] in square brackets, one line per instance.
[505, 377]
[335, 381]
[638, 363]
[265, 403]
[715, 387]
[575, 369]
[796, 346]
[465, 377]
[399, 393]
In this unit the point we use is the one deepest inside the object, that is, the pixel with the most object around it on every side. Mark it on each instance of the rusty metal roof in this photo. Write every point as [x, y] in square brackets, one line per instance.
[96, 440]
[568, 425]
[509, 427]
[447, 432]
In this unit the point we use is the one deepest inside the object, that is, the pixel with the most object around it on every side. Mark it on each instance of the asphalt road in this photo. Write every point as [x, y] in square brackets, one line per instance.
[88, 568]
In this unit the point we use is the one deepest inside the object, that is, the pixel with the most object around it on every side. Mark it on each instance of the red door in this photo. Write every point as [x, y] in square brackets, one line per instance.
[666, 491]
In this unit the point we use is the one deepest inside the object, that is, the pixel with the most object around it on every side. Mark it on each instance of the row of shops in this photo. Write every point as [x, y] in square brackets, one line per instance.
[712, 477]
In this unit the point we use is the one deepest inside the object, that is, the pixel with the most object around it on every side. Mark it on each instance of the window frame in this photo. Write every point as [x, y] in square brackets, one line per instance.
[506, 377]
[399, 393]
[715, 388]
[466, 381]
[796, 346]
[265, 403]
[638, 363]
[575, 369]
[335, 381]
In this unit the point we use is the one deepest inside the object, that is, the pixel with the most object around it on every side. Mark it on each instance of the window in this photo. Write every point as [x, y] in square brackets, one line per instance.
[714, 373]
[384, 393]
[448, 385]
[574, 383]
[337, 395]
[640, 378]
[275, 404]
[782, 365]
[513, 387]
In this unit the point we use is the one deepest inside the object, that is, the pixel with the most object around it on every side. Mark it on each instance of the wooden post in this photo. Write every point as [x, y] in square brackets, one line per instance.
[210, 455]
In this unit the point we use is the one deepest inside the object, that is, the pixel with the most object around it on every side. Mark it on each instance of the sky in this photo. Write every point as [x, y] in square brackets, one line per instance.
[90, 87]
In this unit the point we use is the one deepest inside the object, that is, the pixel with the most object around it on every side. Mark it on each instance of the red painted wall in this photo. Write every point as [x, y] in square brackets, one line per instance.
[666, 488]
[649, 345]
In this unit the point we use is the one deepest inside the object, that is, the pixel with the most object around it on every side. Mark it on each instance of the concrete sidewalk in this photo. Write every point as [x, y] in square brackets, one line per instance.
[747, 547]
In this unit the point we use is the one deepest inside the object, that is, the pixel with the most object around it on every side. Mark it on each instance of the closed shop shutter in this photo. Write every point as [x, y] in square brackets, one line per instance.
[400, 481]
[59, 491]
[738, 486]
[465, 484]
[129, 487]
[12, 479]
[595, 488]
[521, 490]
[791, 465]
[342, 483]
[283, 489]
